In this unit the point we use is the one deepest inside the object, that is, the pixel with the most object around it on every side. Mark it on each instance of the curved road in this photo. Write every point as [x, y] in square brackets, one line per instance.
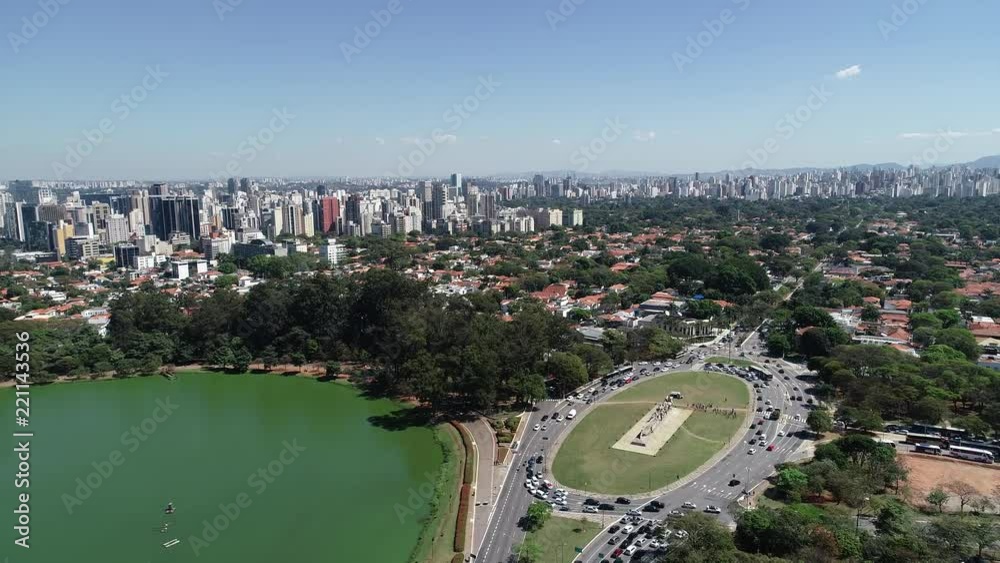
[711, 487]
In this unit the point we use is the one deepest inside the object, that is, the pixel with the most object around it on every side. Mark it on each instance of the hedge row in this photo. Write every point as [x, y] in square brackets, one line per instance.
[470, 458]
[463, 517]
[458, 558]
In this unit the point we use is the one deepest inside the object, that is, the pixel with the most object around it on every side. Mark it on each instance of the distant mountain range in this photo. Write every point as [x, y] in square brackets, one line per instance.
[984, 162]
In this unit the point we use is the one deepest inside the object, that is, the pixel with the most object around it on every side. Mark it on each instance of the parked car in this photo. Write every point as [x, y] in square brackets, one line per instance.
[623, 500]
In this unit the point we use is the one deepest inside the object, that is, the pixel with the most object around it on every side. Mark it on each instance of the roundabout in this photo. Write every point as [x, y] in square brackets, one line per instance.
[639, 440]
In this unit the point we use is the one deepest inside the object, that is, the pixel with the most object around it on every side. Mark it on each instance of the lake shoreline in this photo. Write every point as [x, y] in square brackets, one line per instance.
[437, 529]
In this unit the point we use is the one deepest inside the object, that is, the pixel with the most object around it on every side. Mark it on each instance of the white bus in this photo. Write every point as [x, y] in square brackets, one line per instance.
[971, 454]
[932, 449]
[571, 414]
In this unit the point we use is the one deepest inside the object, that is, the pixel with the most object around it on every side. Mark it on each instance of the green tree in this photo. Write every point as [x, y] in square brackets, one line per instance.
[871, 314]
[538, 514]
[937, 497]
[778, 344]
[791, 483]
[960, 339]
[819, 421]
[566, 372]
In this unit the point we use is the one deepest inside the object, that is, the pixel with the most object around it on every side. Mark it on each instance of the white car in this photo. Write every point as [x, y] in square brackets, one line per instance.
[537, 427]
[681, 534]
[798, 417]
[544, 428]
[590, 509]
[689, 504]
[628, 529]
[713, 509]
[751, 451]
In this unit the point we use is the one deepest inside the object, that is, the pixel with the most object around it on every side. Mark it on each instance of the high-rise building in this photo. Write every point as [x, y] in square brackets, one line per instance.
[327, 214]
[332, 252]
[440, 199]
[175, 214]
[125, 255]
[117, 229]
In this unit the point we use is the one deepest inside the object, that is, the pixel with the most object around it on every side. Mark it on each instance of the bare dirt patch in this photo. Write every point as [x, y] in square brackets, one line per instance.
[928, 472]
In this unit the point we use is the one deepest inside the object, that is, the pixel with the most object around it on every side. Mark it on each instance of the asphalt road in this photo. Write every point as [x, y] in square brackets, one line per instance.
[710, 488]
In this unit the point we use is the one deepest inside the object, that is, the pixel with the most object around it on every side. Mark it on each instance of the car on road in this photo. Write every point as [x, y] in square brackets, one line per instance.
[617, 552]
[781, 371]
[781, 432]
[537, 427]
[540, 458]
[751, 451]
[633, 512]
[712, 509]
[649, 508]
[689, 504]
[605, 506]
[614, 529]
[614, 540]
[628, 529]
[759, 432]
[657, 504]
[734, 482]
[591, 502]
[623, 500]
[770, 448]
[798, 417]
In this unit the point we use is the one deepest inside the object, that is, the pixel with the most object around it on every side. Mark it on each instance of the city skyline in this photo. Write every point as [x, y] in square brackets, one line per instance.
[358, 90]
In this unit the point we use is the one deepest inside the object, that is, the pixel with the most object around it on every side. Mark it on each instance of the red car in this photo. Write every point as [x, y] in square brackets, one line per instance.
[617, 552]
[770, 448]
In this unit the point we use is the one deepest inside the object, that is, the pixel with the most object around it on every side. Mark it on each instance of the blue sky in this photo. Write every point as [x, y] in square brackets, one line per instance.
[558, 80]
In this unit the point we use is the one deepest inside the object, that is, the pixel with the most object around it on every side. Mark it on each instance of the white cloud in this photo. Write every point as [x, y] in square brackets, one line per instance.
[556, 142]
[339, 140]
[448, 138]
[643, 136]
[379, 140]
[849, 72]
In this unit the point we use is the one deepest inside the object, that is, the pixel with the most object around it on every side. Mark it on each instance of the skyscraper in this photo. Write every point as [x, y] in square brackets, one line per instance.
[175, 213]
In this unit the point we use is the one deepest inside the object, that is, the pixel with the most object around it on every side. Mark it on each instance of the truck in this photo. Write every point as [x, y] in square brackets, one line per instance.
[571, 414]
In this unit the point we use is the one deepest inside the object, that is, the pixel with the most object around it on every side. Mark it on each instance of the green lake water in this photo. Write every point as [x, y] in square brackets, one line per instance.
[331, 478]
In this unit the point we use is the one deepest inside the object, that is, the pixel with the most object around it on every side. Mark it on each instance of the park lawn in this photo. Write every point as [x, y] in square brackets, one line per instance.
[696, 386]
[437, 539]
[587, 461]
[559, 536]
[732, 362]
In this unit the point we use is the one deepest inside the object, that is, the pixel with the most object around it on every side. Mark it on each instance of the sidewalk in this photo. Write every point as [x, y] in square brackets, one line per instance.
[483, 488]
